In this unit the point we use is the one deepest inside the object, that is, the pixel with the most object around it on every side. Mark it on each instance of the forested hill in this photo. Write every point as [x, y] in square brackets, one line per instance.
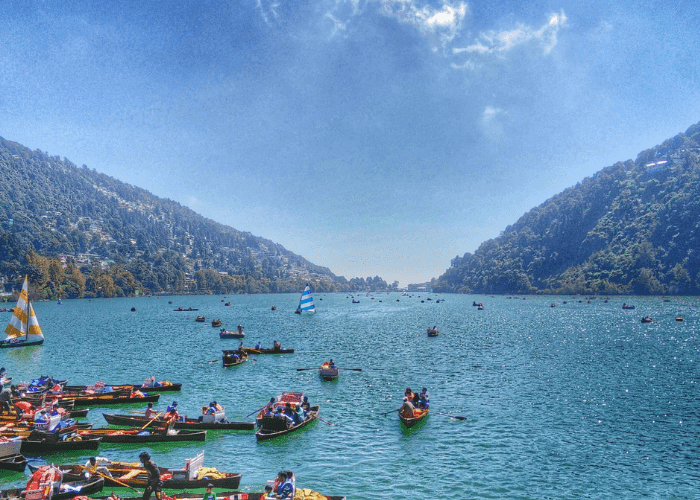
[633, 227]
[51, 209]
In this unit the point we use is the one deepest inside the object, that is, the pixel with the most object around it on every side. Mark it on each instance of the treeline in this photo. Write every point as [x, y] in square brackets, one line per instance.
[633, 228]
[109, 230]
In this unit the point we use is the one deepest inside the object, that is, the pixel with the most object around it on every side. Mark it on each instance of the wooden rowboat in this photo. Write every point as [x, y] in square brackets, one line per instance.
[164, 387]
[65, 490]
[137, 435]
[31, 446]
[230, 360]
[140, 421]
[220, 495]
[272, 427]
[328, 372]
[13, 462]
[251, 350]
[418, 417]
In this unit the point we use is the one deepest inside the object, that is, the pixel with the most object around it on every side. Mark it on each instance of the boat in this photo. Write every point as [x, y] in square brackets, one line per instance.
[226, 495]
[413, 420]
[188, 309]
[15, 463]
[625, 306]
[328, 371]
[23, 329]
[433, 332]
[148, 385]
[47, 482]
[355, 301]
[212, 423]
[270, 426]
[306, 302]
[238, 334]
[216, 323]
[35, 445]
[200, 319]
[82, 399]
[252, 350]
[136, 476]
[141, 435]
[233, 358]
[647, 319]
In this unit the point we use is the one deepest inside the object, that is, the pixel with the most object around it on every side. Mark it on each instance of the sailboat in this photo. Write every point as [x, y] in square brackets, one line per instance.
[23, 328]
[306, 302]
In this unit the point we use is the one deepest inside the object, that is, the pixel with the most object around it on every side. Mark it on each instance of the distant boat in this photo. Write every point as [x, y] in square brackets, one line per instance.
[306, 302]
[23, 328]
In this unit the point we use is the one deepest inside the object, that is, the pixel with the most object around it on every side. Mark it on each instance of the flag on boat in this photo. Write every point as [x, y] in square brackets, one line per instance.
[306, 303]
[23, 328]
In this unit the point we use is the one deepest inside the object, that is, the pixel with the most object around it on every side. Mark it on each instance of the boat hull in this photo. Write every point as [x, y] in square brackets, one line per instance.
[264, 434]
[413, 421]
[117, 436]
[13, 462]
[139, 421]
[48, 445]
[6, 344]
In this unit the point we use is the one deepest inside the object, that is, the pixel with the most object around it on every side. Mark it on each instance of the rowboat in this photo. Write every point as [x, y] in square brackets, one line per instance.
[190, 423]
[220, 495]
[115, 399]
[15, 463]
[328, 372]
[418, 416]
[34, 446]
[136, 476]
[226, 334]
[272, 426]
[252, 350]
[433, 332]
[216, 323]
[233, 358]
[147, 386]
[188, 309]
[200, 319]
[60, 489]
[137, 435]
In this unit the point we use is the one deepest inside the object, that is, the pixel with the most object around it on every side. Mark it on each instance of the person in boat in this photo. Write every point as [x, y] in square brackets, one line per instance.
[209, 494]
[172, 406]
[407, 409]
[216, 406]
[241, 349]
[92, 467]
[331, 364]
[153, 483]
[276, 346]
[284, 486]
[240, 328]
[305, 405]
[5, 399]
[291, 414]
[258, 345]
[424, 399]
[150, 412]
[408, 393]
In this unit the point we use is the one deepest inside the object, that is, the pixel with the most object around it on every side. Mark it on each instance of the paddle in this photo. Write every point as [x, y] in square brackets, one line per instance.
[352, 369]
[256, 411]
[113, 479]
[448, 415]
[302, 369]
[317, 418]
[152, 420]
[386, 413]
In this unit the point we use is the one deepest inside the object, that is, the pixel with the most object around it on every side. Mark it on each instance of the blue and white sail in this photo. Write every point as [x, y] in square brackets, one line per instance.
[306, 303]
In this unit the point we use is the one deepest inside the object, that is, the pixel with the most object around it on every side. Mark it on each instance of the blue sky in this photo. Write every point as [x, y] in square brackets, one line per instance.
[374, 137]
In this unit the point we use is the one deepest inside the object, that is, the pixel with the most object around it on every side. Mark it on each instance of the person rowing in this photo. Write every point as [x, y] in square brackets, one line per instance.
[150, 412]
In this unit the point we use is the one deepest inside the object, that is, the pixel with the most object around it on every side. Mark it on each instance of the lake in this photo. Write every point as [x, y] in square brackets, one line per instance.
[581, 400]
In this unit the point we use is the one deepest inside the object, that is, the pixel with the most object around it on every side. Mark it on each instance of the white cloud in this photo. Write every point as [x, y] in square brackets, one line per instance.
[338, 25]
[498, 43]
[440, 26]
[491, 122]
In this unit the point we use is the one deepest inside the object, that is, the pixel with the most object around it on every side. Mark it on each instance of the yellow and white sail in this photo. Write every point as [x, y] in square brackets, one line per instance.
[24, 326]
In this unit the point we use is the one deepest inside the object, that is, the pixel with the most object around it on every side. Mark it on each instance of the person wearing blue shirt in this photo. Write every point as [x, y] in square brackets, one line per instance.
[172, 406]
[424, 399]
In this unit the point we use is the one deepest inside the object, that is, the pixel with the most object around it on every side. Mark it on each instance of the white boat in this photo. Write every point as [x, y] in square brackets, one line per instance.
[306, 302]
[23, 328]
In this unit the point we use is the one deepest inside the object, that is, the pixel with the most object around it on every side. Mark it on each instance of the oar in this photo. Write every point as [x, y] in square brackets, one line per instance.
[213, 361]
[386, 413]
[352, 369]
[314, 368]
[256, 411]
[152, 420]
[318, 418]
[116, 481]
[448, 415]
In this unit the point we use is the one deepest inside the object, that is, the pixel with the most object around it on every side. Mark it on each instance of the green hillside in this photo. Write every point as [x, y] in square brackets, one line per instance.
[124, 240]
[633, 227]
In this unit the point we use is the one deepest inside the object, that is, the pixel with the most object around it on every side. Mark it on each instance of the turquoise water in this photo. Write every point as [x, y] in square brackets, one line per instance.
[580, 400]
